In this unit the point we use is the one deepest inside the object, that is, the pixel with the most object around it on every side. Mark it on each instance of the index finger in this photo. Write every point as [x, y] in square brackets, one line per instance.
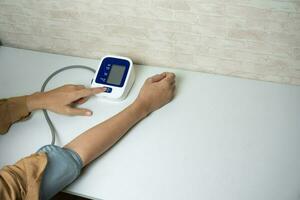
[86, 92]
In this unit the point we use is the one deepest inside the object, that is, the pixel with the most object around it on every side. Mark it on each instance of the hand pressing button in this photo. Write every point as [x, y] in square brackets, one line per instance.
[108, 90]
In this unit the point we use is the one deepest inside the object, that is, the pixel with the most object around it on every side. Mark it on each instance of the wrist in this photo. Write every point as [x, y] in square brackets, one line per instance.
[141, 108]
[34, 101]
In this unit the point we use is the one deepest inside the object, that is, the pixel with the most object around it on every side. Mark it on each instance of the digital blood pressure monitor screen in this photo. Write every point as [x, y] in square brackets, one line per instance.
[113, 72]
[116, 74]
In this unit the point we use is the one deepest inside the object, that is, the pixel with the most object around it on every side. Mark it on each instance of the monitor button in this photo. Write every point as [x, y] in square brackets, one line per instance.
[108, 90]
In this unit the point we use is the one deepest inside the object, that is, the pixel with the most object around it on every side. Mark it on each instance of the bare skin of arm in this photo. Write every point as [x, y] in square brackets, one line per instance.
[157, 91]
[63, 100]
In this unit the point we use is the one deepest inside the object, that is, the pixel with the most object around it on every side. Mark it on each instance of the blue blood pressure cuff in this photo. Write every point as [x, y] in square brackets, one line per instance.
[63, 167]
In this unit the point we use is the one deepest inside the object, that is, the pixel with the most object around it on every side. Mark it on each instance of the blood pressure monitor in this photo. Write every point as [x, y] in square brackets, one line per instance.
[116, 73]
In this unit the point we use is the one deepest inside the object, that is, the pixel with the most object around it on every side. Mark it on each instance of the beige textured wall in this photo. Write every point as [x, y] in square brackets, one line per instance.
[257, 39]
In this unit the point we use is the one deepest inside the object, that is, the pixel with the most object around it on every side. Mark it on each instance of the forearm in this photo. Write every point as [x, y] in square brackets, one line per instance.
[101, 137]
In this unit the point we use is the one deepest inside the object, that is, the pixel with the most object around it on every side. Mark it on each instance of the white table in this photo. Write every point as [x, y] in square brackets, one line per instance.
[220, 138]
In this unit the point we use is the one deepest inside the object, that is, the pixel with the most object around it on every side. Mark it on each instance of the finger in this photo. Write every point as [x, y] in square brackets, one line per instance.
[79, 111]
[79, 87]
[81, 101]
[170, 77]
[98, 90]
[73, 86]
[173, 82]
[157, 77]
[87, 92]
[173, 89]
[173, 92]
[68, 86]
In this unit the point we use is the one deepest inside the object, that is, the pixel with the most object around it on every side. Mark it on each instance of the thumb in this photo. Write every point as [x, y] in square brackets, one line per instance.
[158, 77]
[79, 111]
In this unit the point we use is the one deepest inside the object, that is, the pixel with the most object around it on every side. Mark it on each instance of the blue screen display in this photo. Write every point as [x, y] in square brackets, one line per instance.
[113, 71]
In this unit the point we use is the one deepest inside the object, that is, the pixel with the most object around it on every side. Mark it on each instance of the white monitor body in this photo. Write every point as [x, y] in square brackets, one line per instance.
[117, 74]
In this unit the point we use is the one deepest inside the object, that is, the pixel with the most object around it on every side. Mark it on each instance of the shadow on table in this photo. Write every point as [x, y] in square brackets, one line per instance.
[66, 196]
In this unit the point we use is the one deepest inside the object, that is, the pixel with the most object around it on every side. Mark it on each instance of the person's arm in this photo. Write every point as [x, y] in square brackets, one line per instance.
[63, 100]
[156, 92]
[12, 110]
[22, 180]
[60, 100]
